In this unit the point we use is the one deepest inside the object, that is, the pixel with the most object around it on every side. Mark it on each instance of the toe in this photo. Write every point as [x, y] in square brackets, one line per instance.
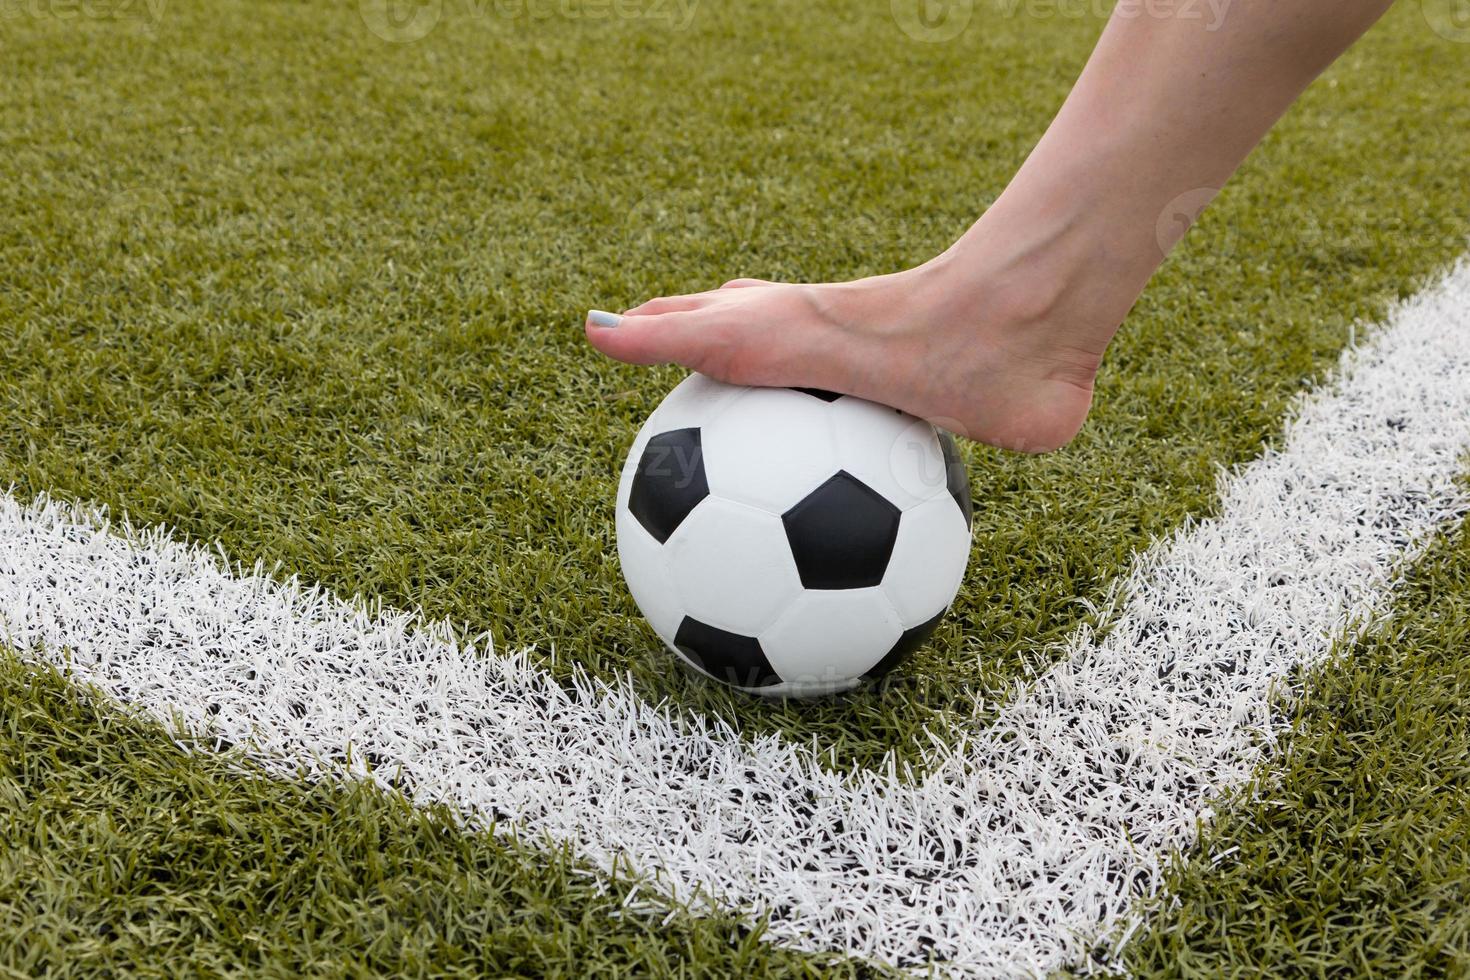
[654, 338]
[743, 283]
[671, 304]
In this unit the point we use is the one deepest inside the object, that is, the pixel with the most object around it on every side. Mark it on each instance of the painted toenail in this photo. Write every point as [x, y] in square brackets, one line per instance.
[601, 318]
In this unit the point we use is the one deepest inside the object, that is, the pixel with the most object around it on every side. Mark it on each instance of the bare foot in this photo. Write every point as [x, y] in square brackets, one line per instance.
[998, 344]
[999, 338]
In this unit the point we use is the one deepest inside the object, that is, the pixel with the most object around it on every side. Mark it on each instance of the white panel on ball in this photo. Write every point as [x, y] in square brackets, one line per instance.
[772, 447]
[732, 567]
[826, 640]
[893, 452]
[928, 560]
[695, 402]
[646, 570]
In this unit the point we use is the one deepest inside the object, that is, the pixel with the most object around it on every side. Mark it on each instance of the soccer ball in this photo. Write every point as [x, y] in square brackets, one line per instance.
[787, 541]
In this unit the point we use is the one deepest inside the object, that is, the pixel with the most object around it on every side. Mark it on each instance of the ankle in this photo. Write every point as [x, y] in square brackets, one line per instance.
[1046, 280]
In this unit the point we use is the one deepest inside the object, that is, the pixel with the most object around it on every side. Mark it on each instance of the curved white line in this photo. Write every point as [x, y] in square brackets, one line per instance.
[1028, 837]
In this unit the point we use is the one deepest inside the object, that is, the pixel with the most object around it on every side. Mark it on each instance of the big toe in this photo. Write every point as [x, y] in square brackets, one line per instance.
[659, 338]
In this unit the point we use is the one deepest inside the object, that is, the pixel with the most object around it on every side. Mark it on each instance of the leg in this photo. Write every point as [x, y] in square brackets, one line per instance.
[999, 338]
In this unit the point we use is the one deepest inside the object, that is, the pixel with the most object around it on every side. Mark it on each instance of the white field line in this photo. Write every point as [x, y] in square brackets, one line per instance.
[1029, 840]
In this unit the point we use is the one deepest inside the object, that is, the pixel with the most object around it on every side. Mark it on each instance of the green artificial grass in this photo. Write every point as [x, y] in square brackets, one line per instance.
[1351, 855]
[120, 855]
[317, 297]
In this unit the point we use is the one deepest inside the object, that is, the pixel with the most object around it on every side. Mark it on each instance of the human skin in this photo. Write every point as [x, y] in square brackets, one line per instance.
[999, 337]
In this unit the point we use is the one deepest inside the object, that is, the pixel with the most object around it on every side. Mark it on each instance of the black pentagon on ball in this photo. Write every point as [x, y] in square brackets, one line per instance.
[822, 393]
[669, 482]
[956, 476]
[904, 647]
[725, 656]
[842, 534]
